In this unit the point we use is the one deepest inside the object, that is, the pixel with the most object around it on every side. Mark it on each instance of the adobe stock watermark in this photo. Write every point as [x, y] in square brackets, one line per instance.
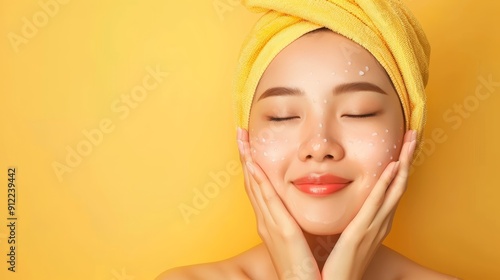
[222, 7]
[221, 179]
[301, 271]
[31, 26]
[202, 196]
[455, 116]
[321, 252]
[122, 275]
[122, 107]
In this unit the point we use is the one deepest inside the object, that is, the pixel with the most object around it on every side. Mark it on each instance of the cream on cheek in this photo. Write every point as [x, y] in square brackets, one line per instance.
[272, 151]
[374, 150]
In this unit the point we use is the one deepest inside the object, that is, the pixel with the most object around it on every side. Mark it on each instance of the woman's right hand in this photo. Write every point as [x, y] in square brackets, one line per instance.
[287, 246]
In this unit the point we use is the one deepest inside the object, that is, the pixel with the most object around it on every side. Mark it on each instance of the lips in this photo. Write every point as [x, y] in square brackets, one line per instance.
[321, 185]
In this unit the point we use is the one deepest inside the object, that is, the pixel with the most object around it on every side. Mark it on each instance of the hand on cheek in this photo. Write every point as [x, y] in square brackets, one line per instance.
[281, 234]
[362, 237]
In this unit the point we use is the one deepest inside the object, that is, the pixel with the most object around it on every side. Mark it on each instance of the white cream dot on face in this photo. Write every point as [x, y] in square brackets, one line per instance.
[361, 73]
[386, 150]
[320, 125]
[367, 68]
[386, 130]
[374, 174]
[254, 151]
[374, 134]
[325, 101]
[391, 158]
[346, 70]
[316, 147]
[319, 135]
[383, 140]
[394, 146]
[324, 140]
[379, 163]
[349, 63]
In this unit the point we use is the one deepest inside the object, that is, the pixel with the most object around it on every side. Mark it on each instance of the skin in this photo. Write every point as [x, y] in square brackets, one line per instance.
[339, 121]
[356, 148]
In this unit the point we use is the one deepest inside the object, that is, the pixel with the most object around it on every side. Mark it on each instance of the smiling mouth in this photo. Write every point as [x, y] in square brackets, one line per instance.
[320, 184]
[320, 189]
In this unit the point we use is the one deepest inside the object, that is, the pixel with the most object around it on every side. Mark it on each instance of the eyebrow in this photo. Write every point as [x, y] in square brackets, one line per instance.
[340, 89]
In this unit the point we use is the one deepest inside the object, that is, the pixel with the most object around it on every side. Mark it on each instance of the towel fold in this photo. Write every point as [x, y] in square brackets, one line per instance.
[386, 28]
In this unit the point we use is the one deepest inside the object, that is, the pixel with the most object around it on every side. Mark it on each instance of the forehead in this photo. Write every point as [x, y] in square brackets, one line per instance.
[322, 55]
[324, 43]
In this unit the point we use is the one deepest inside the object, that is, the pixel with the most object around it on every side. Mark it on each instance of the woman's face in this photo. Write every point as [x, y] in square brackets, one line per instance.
[325, 112]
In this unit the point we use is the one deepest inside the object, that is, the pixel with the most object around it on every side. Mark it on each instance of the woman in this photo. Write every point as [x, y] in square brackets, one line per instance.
[329, 126]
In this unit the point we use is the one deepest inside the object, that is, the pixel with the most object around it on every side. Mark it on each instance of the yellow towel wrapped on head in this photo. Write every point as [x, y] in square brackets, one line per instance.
[383, 27]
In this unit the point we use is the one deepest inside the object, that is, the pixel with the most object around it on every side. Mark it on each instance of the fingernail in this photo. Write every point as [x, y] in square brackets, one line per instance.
[413, 136]
[411, 148]
[250, 167]
[238, 133]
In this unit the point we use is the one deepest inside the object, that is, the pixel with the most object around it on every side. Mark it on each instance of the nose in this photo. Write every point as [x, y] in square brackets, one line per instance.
[319, 147]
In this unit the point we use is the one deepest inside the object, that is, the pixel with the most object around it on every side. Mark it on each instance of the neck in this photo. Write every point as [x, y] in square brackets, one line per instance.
[321, 246]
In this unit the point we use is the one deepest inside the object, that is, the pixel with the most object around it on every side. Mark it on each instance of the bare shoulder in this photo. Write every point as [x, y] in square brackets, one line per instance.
[389, 264]
[256, 263]
[251, 264]
[216, 270]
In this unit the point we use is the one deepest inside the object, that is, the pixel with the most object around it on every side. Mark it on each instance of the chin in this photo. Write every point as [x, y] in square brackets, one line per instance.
[322, 225]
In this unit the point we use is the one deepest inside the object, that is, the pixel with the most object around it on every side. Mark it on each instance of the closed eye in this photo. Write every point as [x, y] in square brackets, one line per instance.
[361, 116]
[276, 119]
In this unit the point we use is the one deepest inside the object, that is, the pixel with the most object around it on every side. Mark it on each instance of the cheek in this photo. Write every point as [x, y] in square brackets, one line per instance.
[272, 152]
[375, 150]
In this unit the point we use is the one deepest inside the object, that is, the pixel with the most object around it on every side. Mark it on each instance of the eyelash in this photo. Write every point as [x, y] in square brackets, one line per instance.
[361, 116]
[277, 119]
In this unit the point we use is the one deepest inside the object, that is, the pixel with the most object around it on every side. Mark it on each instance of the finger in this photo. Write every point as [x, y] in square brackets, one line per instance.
[265, 195]
[239, 140]
[256, 173]
[267, 198]
[407, 153]
[250, 184]
[398, 186]
[377, 196]
[242, 157]
[250, 190]
[253, 185]
[251, 195]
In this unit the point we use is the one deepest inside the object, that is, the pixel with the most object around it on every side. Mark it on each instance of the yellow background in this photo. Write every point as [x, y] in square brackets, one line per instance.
[116, 214]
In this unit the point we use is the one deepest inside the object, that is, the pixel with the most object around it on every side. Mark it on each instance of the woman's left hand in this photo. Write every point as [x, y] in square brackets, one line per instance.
[360, 240]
